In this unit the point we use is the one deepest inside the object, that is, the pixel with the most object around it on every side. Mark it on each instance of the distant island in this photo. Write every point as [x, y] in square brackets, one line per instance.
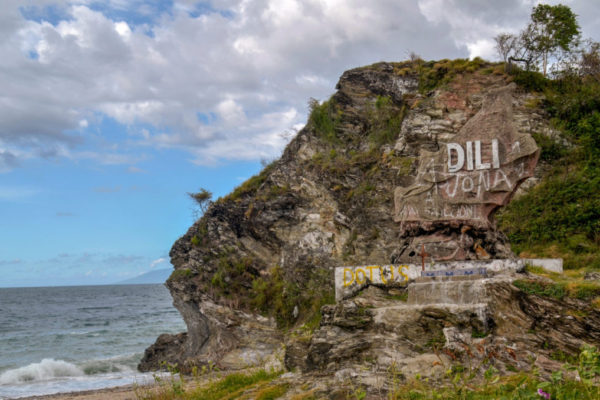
[156, 276]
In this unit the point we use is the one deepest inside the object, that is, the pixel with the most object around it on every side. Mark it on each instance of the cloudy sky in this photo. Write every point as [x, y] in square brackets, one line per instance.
[110, 111]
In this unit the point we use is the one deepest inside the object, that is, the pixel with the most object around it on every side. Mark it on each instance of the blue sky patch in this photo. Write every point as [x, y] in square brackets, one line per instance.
[52, 14]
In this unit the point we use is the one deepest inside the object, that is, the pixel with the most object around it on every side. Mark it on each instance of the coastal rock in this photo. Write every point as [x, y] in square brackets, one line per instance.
[260, 262]
[377, 340]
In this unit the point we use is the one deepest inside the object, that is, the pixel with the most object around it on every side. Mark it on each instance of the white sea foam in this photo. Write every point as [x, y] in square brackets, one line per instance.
[47, 369]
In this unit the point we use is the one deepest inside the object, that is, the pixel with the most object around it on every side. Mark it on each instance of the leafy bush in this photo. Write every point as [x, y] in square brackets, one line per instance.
[324, 118]
[551, 150]
[530, 80]
[386, 121]
[276, 296]
[561, 216]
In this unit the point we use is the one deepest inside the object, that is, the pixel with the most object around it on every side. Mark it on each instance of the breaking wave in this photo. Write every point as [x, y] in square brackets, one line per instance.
[44, 370]
[49, 369]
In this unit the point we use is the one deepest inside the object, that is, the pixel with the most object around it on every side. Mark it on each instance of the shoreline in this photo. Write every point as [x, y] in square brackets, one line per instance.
[126, 392]
[132, 391]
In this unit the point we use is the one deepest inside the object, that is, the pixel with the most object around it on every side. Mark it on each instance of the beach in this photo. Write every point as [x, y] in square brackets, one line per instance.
[116, 393]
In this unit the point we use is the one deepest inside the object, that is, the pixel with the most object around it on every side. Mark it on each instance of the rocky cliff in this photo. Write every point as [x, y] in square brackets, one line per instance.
[355, 187]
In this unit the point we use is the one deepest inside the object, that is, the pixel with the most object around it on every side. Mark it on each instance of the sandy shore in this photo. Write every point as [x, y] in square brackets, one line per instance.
[127, 392]
[114, 393]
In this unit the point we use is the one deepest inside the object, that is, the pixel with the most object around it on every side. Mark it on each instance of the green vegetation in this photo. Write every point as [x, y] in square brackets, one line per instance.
[180, 274]
[551, 150]
[516, 387]
[561, 216]
[461, 382]
[554, 290]
[553, 30]
[478, 335]
[570, 284]
[324, 118]
[202, 199]
[433, 74]
[272, 392]
[233, 272]
[276, 296]
[249, 186]
[233, 386]
[386, 121]
[250, 386]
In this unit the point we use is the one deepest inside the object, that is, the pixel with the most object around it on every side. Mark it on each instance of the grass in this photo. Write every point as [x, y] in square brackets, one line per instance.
[249, 186]
[461, 383]
[571, 284]
[386, 120]
[324, 118]
[515, 387]
[398, 297]
[252, 385]
[180, 274]
[554, 290]
[276, 296]
[232, 386]
[435, 74]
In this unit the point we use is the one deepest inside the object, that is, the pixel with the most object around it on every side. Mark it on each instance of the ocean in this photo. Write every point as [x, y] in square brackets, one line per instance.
[63, 339]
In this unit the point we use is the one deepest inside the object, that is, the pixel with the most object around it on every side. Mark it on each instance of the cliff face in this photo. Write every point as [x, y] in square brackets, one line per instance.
[262, 258]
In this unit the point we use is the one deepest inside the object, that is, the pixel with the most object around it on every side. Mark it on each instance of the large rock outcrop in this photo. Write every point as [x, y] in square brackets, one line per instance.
[354, 187]
[374, 341]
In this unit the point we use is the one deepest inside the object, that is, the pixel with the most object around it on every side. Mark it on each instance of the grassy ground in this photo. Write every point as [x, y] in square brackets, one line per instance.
[578, 380]
[570, 284]
[255, 385]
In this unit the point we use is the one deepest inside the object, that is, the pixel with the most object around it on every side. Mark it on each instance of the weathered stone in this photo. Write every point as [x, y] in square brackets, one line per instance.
[166, 348]
[351, 280]
[549, 264]
[462, 182]
[592, 276]
[400, 337]
[328, 202]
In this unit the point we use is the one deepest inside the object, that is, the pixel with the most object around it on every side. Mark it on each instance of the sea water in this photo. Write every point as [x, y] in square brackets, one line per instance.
[63, 339]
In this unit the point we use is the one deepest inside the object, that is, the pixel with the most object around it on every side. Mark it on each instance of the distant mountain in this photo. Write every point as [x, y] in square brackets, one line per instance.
[157, 276]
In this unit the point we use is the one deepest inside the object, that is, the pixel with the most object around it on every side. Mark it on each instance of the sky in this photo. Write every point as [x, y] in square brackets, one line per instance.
[112, 111]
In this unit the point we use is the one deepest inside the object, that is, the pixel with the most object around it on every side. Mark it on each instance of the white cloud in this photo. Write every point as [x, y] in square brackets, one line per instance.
[156, 262]
[231, 112]
[248, 63]
[135, 170]
[483, 48]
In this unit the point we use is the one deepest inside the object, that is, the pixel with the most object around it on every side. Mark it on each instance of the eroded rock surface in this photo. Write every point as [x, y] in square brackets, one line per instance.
[374, 341]
[263, 257]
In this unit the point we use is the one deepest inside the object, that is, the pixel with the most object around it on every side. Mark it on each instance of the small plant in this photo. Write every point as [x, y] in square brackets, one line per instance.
[180, 274]
[324, 118]
[545, 289]
[477, 334]
[202, 199]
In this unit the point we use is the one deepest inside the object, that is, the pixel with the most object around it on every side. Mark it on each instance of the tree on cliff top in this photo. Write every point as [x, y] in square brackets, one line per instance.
[552, 30]
[202, 199]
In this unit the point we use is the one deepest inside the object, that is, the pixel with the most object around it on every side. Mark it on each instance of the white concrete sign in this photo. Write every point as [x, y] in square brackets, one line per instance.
[351, 280]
